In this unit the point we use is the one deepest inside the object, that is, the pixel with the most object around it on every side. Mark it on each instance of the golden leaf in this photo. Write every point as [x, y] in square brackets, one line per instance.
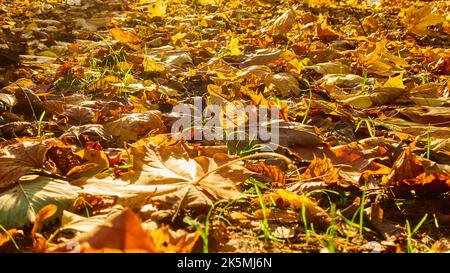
[169, 241]
[417, 20]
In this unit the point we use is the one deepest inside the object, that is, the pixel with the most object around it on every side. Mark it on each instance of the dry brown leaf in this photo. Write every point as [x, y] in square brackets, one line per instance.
[295, 133]
[169, 241]
[285, 83]
[166, 175]
[170, 168]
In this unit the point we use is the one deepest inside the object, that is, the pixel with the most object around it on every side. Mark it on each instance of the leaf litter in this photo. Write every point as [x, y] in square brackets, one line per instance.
[88, 161]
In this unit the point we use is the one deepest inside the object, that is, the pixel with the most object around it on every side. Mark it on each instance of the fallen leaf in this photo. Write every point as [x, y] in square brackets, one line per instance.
[377, 97]
[417, 20]
[124, 36]
[122, 232]
[411, 172]
[285, 83]
[129, 127]
[43, 214]
[284, 23]
[156, 8]
[20, 204]
[18, 159]
[169, 241]
[151, 65]
[314, 213]
[232, 48]
[273, 172]
[167, 176]
[396, 82]
[9, 235]
[321, 169]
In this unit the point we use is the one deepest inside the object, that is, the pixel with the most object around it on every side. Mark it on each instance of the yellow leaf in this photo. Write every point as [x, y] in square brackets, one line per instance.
[157, 8]
[47, 53]
[380, 61]
[124, 66]
[31, 26]
[314, 213]
[233, 47]
[97, 157]
[417, 20]
[396, 81]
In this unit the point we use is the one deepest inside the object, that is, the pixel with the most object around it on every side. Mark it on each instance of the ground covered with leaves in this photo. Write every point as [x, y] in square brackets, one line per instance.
[89, 162]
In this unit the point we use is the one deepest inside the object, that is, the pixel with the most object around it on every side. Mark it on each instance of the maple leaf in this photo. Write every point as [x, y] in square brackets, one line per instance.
[169, 241]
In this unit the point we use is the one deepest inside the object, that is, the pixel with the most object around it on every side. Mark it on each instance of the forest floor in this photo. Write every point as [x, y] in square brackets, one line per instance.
[91, 159]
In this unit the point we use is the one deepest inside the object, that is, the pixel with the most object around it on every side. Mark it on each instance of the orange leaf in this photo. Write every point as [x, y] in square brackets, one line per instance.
[321, 169]
[122, 233]
[45, 213]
